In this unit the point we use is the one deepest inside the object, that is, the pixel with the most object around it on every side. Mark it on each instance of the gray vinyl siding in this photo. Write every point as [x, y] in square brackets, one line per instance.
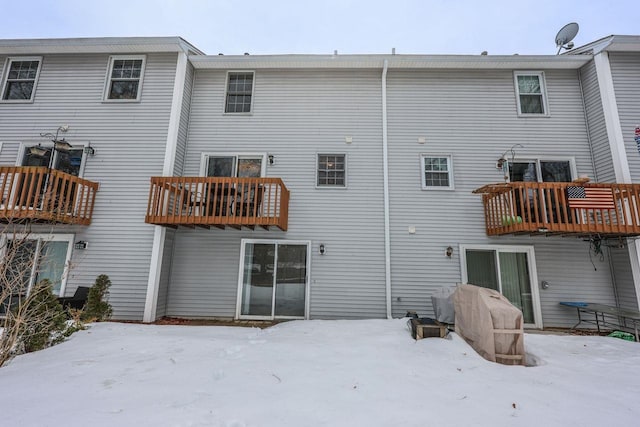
[183, 129]
[165, 273]
[625, 288]
[129, 139]
[471, 115]
[625, 70]
[296, 114]
[596, 125]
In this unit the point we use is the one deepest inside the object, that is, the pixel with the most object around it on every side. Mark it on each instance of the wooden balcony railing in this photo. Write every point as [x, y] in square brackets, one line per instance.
[40, 194]
[563, 208]
[218, 202]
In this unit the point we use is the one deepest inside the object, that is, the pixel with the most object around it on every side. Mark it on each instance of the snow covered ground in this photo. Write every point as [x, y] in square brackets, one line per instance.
[315, 373]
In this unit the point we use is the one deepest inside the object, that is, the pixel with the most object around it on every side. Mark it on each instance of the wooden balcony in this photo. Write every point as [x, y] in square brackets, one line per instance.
[218, 202]
[561, 208]
[40, 194]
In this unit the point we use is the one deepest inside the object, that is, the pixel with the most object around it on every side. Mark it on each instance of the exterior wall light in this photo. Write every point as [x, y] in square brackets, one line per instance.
[321, 249]
[449, 251]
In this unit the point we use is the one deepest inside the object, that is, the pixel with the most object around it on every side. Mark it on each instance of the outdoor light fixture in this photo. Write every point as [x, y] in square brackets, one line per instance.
[89, 150]
[272, 160]
[449, 251]
[321, 248]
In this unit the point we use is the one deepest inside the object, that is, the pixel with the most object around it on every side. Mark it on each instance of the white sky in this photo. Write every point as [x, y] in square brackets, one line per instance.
[322, 26]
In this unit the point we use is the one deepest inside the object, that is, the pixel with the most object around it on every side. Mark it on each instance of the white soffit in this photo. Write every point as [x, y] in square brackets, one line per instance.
[395, 61]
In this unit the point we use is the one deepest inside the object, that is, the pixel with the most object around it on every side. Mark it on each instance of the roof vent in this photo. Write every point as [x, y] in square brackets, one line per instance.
[484, 53]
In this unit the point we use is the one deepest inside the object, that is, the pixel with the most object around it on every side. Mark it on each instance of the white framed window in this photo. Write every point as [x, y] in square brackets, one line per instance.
[124, 78]
[531, 94]
[331, 170]
[437, 172]
[20, 78]
[559, 169]
[510, 270]
[38, 154]
[239, 92]
[34, 257]
[240, 165]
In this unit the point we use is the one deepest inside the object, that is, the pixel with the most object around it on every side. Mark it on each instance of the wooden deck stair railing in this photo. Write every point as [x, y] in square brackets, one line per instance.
[218, 202]
[40, 194]
[611, 210]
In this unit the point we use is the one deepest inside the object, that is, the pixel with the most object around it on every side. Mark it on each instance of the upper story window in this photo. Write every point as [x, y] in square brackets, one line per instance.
[531, 93]
[331, 170]
[124, 81]
[239, 92]
[437, 172]
[20, 78]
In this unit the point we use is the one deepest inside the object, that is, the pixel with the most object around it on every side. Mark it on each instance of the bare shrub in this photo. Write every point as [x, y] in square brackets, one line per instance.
[31, 317]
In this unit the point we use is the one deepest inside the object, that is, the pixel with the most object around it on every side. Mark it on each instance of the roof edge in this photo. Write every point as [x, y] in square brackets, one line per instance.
[394, 61]
[97, 45]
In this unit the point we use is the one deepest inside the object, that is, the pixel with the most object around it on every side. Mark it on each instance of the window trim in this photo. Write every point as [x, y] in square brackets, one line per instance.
[5, 77]
[44, 237]
[243, 245]
[346, 174]
[533, 272]
[537, 160]
[543, 93]
[107, 84]
[449, 157]
[77, 146]
[226, 90]
[204, 160]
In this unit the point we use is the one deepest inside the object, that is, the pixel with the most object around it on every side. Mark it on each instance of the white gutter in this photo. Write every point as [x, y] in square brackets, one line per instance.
[385, 174]
[474, 62]
[159, 234]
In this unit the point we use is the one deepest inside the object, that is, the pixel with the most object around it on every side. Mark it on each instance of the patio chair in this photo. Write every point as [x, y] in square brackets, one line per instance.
[78, 300]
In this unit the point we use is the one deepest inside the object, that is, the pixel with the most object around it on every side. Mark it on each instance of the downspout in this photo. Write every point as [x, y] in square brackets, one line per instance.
[385, 174]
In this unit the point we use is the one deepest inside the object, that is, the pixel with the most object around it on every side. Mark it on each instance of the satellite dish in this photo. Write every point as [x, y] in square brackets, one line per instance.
[566, 34]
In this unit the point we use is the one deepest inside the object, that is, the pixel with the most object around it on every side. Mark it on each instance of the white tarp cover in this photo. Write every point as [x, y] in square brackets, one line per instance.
[442, 302]
[480, 312]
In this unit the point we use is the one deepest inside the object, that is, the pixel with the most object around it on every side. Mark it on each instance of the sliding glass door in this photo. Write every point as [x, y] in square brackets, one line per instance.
[37, 257]
[508, 270]
[274, 279]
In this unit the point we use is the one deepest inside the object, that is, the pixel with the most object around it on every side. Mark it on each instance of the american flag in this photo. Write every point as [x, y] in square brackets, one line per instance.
[590, 198]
